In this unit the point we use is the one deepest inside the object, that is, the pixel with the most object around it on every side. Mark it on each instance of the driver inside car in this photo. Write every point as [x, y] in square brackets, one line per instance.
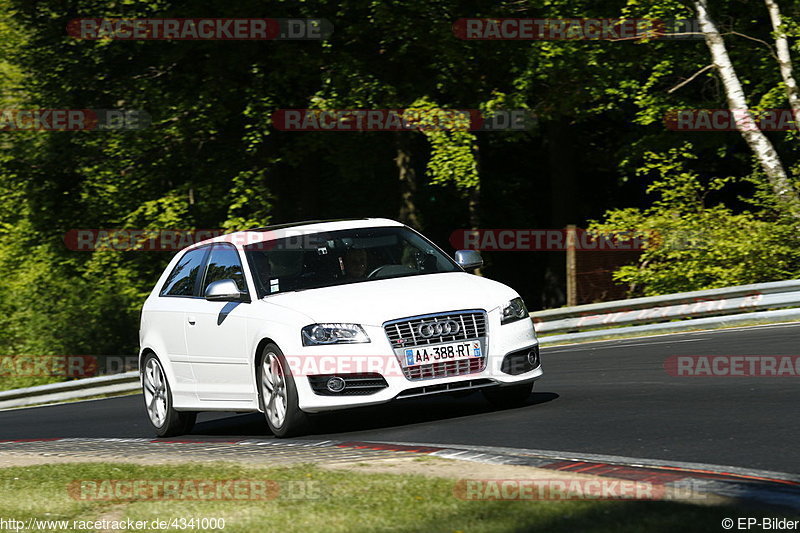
[355, 263]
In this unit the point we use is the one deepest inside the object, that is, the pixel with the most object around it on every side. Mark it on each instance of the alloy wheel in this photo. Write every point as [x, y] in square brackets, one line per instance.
[273, 389]
[155, 392]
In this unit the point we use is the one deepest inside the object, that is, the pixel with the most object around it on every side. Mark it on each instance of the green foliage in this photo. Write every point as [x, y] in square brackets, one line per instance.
[691, 243]
[452, 143]
[248, 206]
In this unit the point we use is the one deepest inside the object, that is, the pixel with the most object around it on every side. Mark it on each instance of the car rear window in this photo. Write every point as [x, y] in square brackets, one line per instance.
[183, 278]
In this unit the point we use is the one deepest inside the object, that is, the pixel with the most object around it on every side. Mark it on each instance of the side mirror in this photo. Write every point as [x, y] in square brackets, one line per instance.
[469, 259]
[224, 290]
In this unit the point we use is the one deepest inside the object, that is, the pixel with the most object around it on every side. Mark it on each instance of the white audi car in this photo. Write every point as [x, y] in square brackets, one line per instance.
[310, 317]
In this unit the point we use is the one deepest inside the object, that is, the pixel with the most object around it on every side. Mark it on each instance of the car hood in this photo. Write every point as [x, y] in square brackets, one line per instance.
[374, 302]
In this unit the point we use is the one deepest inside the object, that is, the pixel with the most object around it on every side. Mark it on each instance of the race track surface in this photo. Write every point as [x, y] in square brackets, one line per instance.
[610, 397]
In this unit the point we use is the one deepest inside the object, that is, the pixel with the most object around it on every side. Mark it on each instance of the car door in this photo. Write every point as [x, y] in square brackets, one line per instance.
[216, 334]
[169, 315]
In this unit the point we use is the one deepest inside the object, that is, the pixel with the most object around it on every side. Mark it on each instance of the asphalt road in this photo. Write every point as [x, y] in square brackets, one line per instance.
[611, 397]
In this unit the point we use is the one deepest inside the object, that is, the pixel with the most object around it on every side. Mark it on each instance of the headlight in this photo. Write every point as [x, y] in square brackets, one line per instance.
[316, 334]
[515, 310]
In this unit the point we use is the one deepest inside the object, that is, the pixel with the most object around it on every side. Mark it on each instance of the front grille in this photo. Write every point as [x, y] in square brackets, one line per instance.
[355, 384]
[405, 333]
[446, 369]
[469, 325]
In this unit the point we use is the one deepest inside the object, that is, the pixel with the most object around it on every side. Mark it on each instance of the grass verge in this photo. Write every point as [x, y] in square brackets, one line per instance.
[315, 499]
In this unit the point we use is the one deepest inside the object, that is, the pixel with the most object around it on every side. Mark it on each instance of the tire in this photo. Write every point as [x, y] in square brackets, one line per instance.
[277, 394]
[505, 397]
[166, 421]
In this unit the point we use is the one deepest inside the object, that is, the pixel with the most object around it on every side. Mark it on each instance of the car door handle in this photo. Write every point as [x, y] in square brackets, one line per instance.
[191, 320]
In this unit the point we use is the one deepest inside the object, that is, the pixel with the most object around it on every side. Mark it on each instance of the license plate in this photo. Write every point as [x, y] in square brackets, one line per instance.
[441, 353]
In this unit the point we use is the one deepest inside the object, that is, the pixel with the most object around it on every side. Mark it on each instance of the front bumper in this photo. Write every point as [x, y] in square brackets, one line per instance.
[378, 357]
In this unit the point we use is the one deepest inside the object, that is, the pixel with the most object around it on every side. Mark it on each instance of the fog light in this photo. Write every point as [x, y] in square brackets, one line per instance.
[335, 384]
[533, 358]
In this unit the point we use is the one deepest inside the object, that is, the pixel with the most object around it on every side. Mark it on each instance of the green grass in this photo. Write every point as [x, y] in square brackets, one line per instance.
[15, 382]
[347, 502]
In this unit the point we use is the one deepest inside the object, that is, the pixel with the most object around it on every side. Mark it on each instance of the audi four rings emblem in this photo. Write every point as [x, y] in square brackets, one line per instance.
[426, 330]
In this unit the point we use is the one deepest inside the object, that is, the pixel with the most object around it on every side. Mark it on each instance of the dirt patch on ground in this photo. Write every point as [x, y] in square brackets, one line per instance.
[450, 468]
[9, 460]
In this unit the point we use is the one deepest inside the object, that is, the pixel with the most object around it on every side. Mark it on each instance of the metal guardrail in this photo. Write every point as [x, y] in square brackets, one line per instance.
[70, 390]
[746, 304]
[715, 307]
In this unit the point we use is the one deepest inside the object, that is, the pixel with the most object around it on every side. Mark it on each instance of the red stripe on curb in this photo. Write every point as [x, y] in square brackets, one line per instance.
[729, 475]
[661, 474]
[616, 471]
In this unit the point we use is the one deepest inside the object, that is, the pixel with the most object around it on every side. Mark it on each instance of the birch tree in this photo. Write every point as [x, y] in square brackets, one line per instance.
[785, 193]
[784, 56]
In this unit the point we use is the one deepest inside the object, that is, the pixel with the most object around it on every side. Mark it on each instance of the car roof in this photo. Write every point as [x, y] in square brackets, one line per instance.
[279, 231]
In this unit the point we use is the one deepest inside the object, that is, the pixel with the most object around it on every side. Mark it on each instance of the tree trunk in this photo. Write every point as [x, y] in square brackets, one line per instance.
[761, 146]
[408, 182]
[784, 57]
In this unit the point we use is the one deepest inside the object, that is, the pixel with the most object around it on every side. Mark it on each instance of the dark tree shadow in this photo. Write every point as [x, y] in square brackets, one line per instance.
[394, 414]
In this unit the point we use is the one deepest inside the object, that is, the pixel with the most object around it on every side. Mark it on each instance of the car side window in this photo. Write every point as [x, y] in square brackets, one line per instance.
[183, 278]
[224, 263]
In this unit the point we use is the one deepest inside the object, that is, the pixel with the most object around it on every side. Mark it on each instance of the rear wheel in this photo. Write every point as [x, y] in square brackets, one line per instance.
[158, 401]
[278, 394]
[512, 396]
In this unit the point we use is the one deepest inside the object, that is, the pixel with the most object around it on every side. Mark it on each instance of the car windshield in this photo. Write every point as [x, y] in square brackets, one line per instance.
[308, 261]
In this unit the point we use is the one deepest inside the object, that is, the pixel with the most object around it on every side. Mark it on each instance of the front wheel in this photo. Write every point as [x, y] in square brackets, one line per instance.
[158, 401]
[278, 394]
[512, 396]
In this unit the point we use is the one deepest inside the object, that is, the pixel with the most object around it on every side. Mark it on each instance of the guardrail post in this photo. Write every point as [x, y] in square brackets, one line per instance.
[572, 281]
